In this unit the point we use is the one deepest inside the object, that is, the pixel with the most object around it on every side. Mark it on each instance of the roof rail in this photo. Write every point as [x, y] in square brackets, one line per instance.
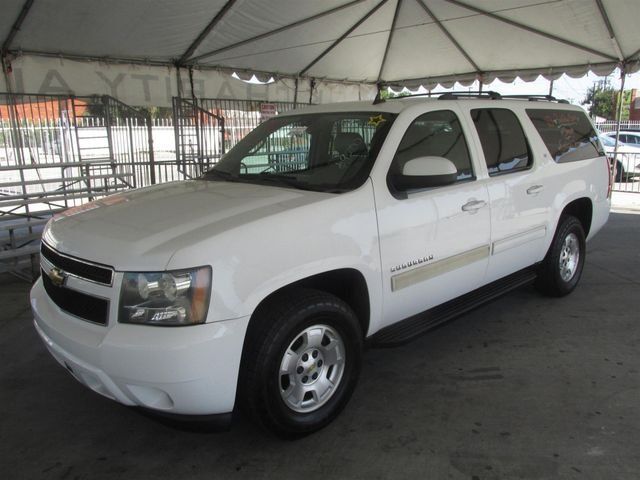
[470, 94]
[487, 94]
[536, 98]
[379, 99]
[497, 96]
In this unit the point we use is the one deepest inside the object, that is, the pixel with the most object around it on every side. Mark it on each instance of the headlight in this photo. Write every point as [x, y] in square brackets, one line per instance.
[179, 297]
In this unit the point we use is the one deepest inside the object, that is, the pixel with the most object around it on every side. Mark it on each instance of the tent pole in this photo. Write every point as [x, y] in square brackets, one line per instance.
[551, 87]
[527, 28]
[389, 40]
[276, 31]
[15, 28]
[619, 116]
[207, 30]
[342, 37]
[312, 84]
[193, 94]
[295, 94]
[178, 82]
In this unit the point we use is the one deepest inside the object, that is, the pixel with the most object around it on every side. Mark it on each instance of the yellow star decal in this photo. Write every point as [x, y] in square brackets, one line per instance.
[377, 120]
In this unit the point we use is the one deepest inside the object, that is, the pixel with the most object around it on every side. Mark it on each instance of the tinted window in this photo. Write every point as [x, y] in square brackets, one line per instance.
[568, 135]
[434, 134]
[503, 142]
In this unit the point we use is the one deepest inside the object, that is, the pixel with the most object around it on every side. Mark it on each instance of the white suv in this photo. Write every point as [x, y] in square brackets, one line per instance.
[258, 284]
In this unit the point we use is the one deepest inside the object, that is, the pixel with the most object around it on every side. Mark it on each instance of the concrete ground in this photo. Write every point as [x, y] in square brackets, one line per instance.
[525, 387]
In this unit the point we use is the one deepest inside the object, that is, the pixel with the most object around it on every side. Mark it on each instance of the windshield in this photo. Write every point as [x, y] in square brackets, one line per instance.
[330, 152]
[608, 141]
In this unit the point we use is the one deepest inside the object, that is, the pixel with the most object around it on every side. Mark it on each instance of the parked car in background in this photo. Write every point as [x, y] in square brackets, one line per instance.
[628, 158]
[630, 137]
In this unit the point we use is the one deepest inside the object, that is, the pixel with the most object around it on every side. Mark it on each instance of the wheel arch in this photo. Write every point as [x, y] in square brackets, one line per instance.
[348, 284]
[582, 209]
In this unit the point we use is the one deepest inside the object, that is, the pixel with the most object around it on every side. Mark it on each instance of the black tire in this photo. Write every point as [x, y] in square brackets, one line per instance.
[552, 276]
[278, 324]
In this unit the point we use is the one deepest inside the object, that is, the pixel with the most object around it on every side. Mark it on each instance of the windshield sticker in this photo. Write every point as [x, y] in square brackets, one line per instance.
[377, 120]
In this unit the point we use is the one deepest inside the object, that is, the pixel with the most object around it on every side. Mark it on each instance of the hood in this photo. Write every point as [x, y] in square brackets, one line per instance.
[141, 229]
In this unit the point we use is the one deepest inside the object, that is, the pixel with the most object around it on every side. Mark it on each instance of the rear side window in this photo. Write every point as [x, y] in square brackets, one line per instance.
[503, 142]
[568, 135]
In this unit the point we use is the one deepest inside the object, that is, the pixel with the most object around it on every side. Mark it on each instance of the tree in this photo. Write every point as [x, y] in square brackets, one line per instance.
[601, 97]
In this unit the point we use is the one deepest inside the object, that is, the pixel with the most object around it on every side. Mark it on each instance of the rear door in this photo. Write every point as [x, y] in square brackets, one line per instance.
[519, 195]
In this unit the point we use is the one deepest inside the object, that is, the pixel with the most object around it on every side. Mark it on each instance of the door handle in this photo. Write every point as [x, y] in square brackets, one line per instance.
[534, 190]
[473, 206]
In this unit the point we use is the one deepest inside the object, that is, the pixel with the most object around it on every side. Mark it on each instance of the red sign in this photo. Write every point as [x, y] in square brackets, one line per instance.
[268, 110]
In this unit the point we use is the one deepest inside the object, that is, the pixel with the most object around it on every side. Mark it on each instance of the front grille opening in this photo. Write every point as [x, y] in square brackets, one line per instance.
[86, 307]
[79, 268]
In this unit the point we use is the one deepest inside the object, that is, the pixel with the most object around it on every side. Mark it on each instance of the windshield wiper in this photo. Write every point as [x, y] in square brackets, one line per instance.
[220, 174]
[279, 178]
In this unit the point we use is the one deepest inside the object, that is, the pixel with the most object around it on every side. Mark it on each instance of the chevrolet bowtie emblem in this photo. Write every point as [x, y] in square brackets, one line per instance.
[57, 276]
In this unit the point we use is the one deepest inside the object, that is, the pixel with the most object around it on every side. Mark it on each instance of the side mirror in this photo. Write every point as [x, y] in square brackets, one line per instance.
[426, 172]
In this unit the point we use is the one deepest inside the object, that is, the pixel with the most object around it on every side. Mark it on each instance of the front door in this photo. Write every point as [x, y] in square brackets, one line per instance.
[434, 241]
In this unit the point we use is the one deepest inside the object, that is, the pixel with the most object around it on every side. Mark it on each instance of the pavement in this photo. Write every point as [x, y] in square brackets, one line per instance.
[625, 201]
[525, 387]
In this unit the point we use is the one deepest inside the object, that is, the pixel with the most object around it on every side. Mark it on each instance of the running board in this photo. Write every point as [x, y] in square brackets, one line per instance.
[409, 328]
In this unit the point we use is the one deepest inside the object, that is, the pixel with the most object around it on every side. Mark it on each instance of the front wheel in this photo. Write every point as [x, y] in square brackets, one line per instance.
[301, 362]
[561, 269]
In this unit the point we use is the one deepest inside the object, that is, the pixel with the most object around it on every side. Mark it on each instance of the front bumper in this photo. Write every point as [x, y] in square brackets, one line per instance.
[175, 370]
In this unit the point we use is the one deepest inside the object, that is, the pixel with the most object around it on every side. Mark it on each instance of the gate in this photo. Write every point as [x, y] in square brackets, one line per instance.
[199, 135]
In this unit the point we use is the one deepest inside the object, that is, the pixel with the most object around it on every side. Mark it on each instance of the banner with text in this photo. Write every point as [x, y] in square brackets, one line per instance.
[141, 85]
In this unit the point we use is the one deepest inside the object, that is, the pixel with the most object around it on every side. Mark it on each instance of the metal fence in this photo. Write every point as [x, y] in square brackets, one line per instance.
[59, 151]
[610, 125]
[626, 167]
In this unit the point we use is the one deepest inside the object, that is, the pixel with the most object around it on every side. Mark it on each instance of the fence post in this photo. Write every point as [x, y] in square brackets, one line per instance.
[107, 122]
[152, 164]
[86, 169]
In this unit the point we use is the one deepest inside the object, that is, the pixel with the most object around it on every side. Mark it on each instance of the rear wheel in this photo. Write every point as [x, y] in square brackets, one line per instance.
[301, 362]
[561, 269]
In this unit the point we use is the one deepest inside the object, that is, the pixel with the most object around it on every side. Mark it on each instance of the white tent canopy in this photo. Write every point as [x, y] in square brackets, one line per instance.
[367, 42]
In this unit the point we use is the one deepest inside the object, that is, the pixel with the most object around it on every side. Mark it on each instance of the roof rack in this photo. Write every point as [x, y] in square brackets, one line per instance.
[470, 94]
[535, 98]
[379, 98]
[497, 96]
[487, 94]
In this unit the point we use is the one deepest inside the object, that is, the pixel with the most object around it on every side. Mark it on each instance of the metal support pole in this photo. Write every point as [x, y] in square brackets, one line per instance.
[295, 94]
[179, 82]
[152, 163]
[17, 140]
[312, 84]
[193, 94]
[618, 119]
[551, 88]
